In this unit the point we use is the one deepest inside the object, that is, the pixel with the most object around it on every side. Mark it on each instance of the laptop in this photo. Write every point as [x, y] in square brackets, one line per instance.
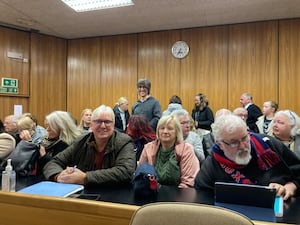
[255, 201]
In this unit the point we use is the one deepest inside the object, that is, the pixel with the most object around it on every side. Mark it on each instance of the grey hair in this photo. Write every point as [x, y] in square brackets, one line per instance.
[168, 119]
[228, 123]
[63, 124]
[293, 120]
[180, 112]
[103, 109]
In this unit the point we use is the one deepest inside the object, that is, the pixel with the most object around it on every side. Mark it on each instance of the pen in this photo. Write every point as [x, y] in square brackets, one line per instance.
[73, 169]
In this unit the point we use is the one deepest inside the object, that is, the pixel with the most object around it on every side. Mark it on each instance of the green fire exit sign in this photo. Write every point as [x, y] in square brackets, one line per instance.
[9, 82]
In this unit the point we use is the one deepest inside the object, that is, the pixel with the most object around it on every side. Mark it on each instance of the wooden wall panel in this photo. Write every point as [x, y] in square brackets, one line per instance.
[18, 42]
[289, 67]
[205, 68]
[48, 75]
[100, 71]
[84, 66]
[156, 62]
[7, 105]
[253, 62]
[119, 69]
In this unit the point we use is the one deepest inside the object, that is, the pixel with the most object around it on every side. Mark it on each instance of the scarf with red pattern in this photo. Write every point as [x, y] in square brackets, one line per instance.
[266, 159]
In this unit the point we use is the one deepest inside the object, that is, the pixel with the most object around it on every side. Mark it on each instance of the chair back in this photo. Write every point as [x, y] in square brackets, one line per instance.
[179, 213]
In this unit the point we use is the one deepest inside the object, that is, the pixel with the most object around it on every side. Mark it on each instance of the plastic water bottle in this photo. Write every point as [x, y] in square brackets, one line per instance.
[9, 178]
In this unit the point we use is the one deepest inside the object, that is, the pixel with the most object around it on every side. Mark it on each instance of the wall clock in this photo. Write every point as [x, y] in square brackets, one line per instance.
[180, 49]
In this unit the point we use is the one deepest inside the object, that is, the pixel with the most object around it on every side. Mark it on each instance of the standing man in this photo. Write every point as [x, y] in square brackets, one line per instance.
[147, 105]
[253, 111]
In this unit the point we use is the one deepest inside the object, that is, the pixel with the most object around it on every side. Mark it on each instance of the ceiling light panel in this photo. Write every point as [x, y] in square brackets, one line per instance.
[84, 5]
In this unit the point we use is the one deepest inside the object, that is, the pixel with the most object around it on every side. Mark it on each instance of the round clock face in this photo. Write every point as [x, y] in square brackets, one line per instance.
[180, 49]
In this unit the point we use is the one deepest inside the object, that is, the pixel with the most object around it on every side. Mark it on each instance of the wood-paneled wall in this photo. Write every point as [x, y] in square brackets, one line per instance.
[224, 61]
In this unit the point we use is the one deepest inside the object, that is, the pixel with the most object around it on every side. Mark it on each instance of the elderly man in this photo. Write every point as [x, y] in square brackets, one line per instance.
[253, 111]
[248, 158]
[102, 157]
[10, 126]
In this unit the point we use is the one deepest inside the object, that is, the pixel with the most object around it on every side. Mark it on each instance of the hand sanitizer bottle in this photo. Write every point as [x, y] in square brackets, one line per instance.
[9, 178]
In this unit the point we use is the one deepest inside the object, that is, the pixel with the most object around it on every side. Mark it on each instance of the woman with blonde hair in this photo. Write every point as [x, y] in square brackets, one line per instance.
[121, 114]
[174, 160]
[85, 121]
[61, 132]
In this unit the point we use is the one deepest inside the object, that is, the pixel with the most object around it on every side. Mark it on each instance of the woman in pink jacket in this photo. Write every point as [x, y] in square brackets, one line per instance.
[174, 160]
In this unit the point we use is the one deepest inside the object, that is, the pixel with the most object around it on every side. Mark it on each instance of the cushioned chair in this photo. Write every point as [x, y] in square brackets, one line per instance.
[179, 213]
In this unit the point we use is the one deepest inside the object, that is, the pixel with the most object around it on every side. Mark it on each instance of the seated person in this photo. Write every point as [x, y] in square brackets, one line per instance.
[7, 143]
[189, 136]
[174, 104]
[248, 158]
[61, 132]
[104, 156]
[10, 127]
[85, 121]
[121, 114]
[241, 112]
[27, 130]
[141, 131]
[174, 160]
[286, 128]
[264, 123]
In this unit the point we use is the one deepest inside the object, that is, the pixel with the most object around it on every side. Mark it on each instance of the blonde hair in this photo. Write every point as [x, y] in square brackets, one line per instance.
[63, 124]
[121, 101]
[171, 119]
[81, 124]
[26, 123]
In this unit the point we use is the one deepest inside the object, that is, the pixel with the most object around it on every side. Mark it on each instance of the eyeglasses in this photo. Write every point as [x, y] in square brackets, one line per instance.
[236, 143]
[99, 122]
[185, 123]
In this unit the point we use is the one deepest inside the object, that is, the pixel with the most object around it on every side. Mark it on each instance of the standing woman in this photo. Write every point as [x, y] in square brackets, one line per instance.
[174, 160]
[264, 123]
[61, 132]
[121, 114]
[85, 122]
[201, 113]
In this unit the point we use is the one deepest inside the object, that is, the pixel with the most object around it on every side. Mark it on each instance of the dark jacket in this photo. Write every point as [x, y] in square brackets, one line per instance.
[51, 150]
[287, 170]
[204, 117]
[118, 119]
[118, 163]
[253, 113]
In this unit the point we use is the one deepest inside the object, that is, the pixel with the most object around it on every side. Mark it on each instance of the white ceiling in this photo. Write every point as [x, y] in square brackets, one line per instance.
[55, 18]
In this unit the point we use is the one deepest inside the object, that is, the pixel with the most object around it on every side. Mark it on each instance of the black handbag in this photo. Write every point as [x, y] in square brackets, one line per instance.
[24, 157]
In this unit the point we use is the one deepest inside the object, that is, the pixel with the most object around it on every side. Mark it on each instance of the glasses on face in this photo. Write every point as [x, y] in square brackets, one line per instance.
[185, 123]
[141, 87]
[236, 143]
[99, 122]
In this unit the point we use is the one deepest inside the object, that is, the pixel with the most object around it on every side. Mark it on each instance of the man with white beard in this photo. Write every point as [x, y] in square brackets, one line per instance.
[239, 156]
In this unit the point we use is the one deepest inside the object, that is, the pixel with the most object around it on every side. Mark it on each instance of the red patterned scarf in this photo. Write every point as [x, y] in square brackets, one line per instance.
[266, 159]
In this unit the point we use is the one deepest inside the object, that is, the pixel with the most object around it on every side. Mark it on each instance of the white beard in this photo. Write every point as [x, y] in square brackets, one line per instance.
[241, 158]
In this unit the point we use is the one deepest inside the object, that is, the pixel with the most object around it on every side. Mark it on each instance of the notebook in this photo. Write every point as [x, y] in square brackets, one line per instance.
[255, 201]
[50, 188]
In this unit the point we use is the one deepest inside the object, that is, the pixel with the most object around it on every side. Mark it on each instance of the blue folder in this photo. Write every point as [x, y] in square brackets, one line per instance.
[49, 188]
